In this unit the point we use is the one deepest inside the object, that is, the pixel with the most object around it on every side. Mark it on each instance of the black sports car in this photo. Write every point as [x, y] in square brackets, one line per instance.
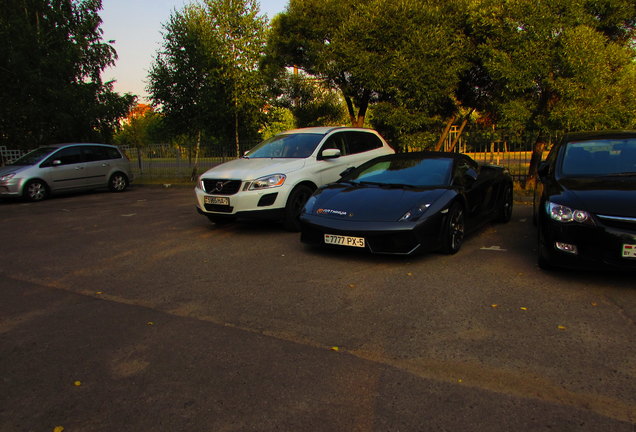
[585, 202]
[403, 203]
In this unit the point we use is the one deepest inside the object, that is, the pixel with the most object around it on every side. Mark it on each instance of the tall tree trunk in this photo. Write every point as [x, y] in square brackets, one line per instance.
[195, 168]
[535, 160]
[236, 129]
[438, 146]
[460, 131]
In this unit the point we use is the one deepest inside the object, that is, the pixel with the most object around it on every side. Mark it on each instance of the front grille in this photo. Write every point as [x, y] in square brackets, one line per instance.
[626, 223]
[221, 186]
[218, 208]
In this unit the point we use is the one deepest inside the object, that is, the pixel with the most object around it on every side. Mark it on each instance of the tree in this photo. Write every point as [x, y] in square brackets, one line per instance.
[51, 60]
[205, 80]
[563, 65]
[307, 37]
[408, 55]
[310, 103]
[142, 127]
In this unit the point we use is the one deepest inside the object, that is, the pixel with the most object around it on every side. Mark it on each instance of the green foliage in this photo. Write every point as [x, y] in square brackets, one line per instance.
[544, 66]
[51, 59]
[143, 130]
[205, 80]
[280, 120]
[310, 103]
[405, 54]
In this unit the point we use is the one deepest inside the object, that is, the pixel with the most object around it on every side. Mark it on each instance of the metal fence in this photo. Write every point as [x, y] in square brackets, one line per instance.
[7, 156]
[170, 163]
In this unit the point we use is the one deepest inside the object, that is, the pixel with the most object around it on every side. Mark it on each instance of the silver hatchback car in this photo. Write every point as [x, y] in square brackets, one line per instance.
[65, 167]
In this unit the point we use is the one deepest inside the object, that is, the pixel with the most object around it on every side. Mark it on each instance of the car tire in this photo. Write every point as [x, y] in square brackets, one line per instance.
[507, 201]
[35, 190]
[118, 182]
[454, 230]
[295, 203]
[542, 255]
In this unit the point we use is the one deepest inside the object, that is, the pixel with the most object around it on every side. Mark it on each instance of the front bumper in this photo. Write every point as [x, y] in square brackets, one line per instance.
[599, 246]
[394, 238]
[11, 188]
[267, 202]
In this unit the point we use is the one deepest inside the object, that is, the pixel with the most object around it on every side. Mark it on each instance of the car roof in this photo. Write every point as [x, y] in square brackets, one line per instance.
[324, 130]
[608, 134]
[61, 145]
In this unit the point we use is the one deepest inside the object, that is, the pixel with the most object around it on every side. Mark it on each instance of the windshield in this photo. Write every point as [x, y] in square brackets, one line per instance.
[404, 171]
[300, 145]
[599, 157]
[34, 157]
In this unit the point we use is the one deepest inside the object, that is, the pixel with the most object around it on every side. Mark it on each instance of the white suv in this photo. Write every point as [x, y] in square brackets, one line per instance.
[274, 179]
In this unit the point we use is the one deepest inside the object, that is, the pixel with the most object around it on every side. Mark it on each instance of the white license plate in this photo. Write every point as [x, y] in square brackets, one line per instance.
[629, 251]
[217, 200]
[344, 240]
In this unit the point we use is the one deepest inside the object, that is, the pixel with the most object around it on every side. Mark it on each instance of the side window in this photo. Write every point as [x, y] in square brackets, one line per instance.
[336, 141]
[112, 153]
[461, 168]
[359, 142]
[94, 153]
[67, 156]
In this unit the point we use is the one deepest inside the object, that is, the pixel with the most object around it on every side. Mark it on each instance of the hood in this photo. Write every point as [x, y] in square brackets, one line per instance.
[12, 169]
[251, 169]
[370, 203]
[609, 195]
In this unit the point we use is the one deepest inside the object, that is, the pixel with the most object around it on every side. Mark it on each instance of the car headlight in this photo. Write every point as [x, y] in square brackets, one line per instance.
[271, 181]
[415, 213]
[564, 214]
[6, 177]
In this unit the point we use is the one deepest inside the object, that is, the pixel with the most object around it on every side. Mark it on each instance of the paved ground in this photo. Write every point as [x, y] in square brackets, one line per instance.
[129, 312]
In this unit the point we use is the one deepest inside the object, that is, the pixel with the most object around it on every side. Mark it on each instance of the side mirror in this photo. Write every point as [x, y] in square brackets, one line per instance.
[543, 170]
[330, 154]
[347, 172]
[471, 175]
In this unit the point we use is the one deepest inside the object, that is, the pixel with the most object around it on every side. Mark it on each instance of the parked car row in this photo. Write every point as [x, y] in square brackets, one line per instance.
[345, 188]
[584, 205]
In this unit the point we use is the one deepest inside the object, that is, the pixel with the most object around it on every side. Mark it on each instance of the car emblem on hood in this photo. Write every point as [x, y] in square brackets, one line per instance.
[220, 185]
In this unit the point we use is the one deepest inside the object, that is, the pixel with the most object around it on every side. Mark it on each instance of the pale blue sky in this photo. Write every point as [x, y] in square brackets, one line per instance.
[136, 27]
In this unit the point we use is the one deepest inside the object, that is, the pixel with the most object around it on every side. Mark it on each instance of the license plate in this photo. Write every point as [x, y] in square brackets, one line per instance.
[629, 251]
[344, 240]
[217, 200]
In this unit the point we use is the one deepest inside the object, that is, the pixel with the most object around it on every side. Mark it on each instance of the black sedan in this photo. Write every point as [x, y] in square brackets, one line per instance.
[403, 203]
[585, 202]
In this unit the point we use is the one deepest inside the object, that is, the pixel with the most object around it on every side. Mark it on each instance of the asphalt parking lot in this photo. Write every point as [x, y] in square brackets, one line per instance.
[130, 312]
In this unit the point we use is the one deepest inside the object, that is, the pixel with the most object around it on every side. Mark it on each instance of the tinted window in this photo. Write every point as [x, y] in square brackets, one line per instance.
[336, 141]
[359, 142]
[67, 156]
[97, 153]
[461, 169]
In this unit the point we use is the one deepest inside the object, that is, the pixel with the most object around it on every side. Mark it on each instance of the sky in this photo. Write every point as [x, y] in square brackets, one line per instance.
[136, 27]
